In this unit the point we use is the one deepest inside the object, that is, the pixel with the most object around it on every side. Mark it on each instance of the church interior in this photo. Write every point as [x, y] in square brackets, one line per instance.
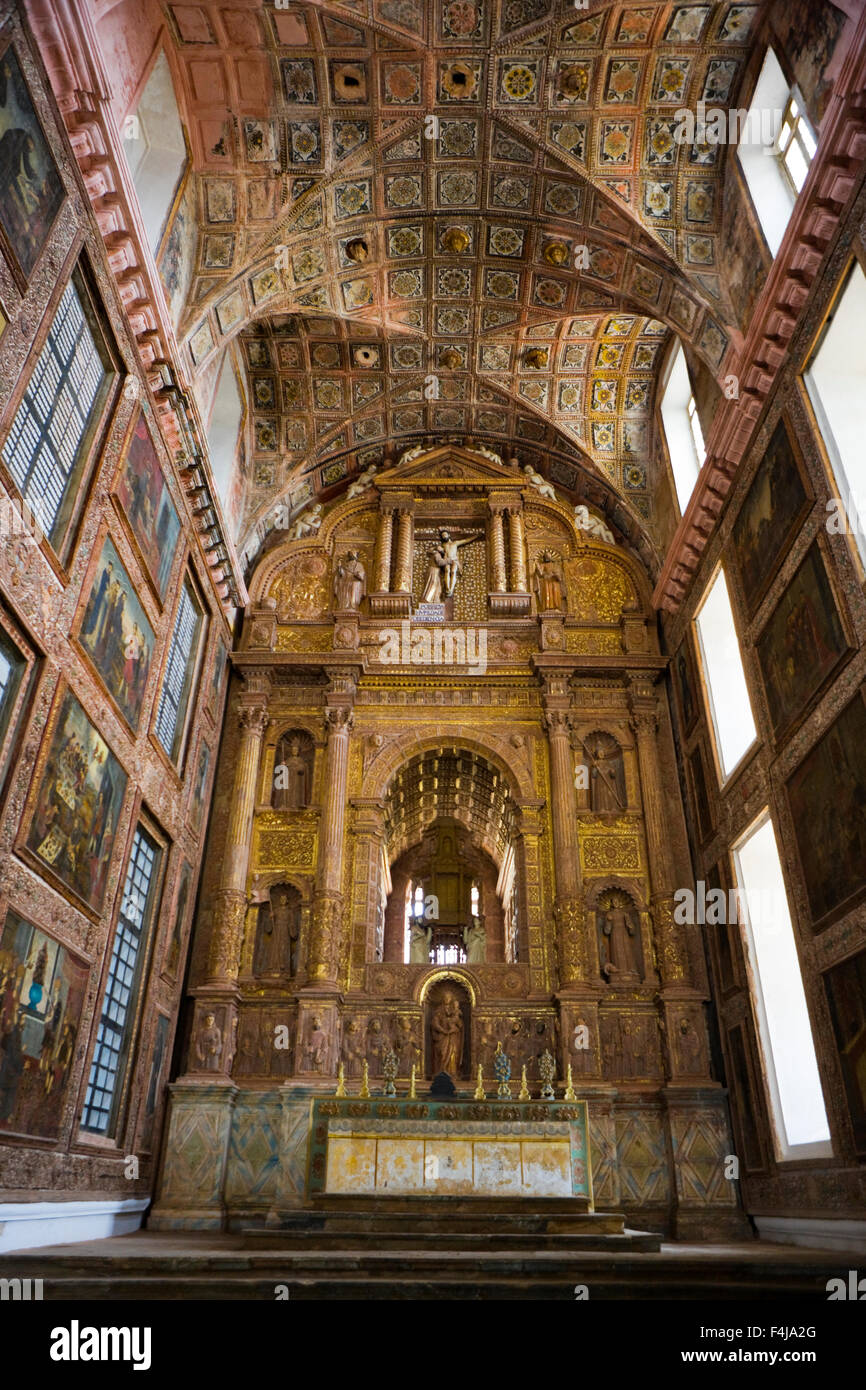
[432, 647]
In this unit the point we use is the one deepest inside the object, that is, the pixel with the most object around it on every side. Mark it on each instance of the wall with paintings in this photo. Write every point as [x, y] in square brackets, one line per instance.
[797, 589]
[88, 607]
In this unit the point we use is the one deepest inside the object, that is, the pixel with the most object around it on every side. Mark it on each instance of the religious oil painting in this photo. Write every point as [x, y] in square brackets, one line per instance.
[147, 505]
[78, 805]
[42, 994]
[846, 995]
[116, 635]
[827, 796]
[802, 644]
[31, 192]
[196, 805]
[684, 683]
[775, 506]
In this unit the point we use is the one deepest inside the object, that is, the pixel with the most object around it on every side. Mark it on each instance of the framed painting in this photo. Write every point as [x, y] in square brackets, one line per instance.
[827, 797]
[700, 794]
[146, 503]
[219, 668]
[771, 515]
[846, 995]
[175, 943]
[31, 190]
[42, 995]
[116, 634]
[196, 805]
[79, 792]
[684, 684]
[802, 645]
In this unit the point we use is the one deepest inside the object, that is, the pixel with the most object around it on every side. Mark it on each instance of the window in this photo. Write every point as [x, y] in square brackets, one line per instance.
[179, 671]
[155, 149]
[796, 1098]
[777, 145]
[727, 693]
[835, 379]
[46, 446]
[683, 432]
[114, 1034]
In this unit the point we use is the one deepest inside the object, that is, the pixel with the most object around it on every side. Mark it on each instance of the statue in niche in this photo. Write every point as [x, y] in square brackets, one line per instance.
[632, 1035]
[405, 1047]
[350, 581]
[278, 933]
[475, 941]
[419, 943]
[292, 773]
[444, 568]
[209, 1044]
[548, 583]
[317, 1045]
[620, 932]
[606, 775]
[376, 1047]
[352, 1052]
[446, 1031]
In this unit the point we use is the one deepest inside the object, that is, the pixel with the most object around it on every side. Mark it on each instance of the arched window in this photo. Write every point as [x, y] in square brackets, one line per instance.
[683, 432]
[776, 125]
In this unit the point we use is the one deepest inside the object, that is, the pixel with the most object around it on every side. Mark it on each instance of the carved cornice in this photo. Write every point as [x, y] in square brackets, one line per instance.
[833, 177]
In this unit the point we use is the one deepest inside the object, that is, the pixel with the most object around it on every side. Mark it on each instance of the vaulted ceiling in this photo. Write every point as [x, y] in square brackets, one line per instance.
[450, 217]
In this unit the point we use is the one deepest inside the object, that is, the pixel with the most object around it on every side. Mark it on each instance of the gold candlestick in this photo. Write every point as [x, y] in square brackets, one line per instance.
[479, 1089]
[341, 1082]
[524, 1089]
[364, 1092]
[569, 1088]
[412, 1095]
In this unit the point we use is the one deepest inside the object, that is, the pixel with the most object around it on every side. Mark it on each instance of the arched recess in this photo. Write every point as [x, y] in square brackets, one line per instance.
[408, 751]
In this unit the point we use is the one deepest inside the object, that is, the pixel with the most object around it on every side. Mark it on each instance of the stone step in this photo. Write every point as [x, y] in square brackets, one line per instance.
[346, 1237]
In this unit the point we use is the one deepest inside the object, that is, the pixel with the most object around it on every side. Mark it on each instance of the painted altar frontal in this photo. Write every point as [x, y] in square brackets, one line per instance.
[447, 1149]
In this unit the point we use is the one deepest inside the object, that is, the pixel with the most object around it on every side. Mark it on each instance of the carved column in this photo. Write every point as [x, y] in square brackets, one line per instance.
[498, 576]
[323, 952]
[405, 546]
[645, 722]
[517, 547]
[231, 899]
[367, 838]
[382, 563]
[574, 961]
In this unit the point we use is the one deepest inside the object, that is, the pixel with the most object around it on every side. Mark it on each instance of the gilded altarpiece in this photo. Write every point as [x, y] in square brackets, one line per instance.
[447, 660]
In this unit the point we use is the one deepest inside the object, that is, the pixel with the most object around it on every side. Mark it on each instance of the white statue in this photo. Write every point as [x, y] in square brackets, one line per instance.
[536, 481]
[475, 941]
[585, 521]
[444, 568]
[362, 482]
[484, 451]
[419, 944]
[307, 524]
[414, 453]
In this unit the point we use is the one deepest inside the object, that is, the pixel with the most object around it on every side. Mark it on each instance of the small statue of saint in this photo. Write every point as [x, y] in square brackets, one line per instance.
[548, 583]
[618, 930]
[419, 943]
[350, 582]
[317, 1045]
[292, 778]
[475, 941]
[446, 1031]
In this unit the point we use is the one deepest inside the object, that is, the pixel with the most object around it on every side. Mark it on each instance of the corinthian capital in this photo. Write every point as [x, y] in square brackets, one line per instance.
[254, 719]
[557, 721]
[339, 719]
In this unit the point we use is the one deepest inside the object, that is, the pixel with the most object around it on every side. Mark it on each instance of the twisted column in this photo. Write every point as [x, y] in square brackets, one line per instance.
[496, 534]
[382, 562]
[405, 544]
[323, 953]
[517, 548]
[231, 899]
